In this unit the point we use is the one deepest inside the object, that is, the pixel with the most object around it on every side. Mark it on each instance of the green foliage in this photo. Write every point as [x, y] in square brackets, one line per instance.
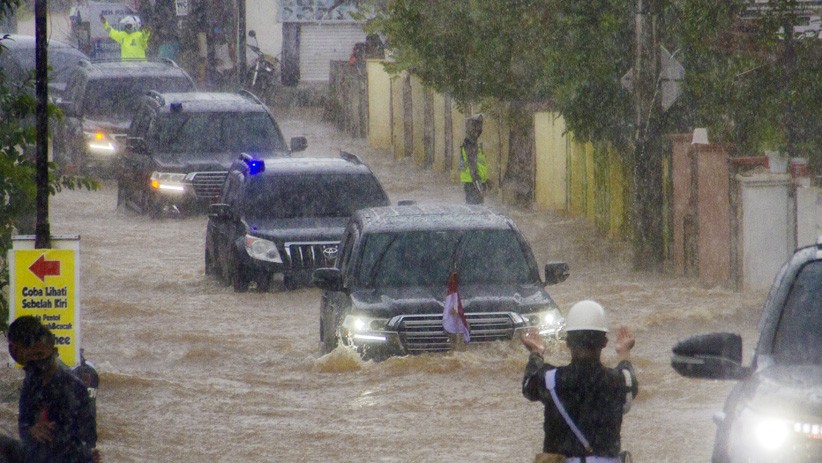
[18, 190]
[573, 54]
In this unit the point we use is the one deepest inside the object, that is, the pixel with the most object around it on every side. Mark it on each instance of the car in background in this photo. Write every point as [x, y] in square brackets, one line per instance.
[774, 412]
[17, 59]
[181, 145]
[384, 295]
[285, 216]
[98, 104]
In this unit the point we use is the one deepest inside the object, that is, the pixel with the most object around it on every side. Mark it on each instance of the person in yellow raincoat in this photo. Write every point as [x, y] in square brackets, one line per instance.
[133, 41]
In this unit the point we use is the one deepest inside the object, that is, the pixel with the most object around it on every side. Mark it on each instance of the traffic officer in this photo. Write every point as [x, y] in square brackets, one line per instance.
[473, 167]
[591, 397]
[133, 41]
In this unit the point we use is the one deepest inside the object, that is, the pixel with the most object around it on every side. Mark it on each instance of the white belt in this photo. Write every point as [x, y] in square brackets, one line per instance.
[592, 460]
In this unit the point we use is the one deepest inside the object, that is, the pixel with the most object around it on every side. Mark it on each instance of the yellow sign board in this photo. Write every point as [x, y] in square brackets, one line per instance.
[44, 283]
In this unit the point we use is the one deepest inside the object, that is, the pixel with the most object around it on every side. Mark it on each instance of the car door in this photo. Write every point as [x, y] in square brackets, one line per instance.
[132, 178]
[222, 227]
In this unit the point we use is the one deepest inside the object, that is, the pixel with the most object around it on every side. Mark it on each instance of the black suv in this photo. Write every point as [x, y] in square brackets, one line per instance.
[285, 215]
[17, 60]
[98, 104]
[181, 145]
[385, 294]
[774, 413]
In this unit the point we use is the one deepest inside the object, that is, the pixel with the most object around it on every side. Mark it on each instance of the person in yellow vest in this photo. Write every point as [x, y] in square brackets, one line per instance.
[473, 167]
[133, 41]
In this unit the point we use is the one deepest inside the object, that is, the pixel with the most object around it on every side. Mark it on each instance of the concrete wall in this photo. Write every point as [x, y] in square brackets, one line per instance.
[263, 17]
[710, 202]
[551, 161]
[766, 241]
[808, 215]
[379, 105]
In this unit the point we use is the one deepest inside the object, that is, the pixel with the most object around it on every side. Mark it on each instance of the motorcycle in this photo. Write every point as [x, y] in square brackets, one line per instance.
[263, 74]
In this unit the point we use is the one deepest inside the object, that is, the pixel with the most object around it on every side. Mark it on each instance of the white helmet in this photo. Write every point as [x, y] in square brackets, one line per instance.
[586, 315]
[132, 21]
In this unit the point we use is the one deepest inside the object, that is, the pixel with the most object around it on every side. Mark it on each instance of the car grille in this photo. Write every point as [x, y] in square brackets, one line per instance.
[807, 446]
[424, 333]
[311, 255]
[208, 185]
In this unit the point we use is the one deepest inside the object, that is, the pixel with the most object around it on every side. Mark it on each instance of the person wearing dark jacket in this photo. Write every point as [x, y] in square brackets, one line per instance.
[56, 421]
[593, 396]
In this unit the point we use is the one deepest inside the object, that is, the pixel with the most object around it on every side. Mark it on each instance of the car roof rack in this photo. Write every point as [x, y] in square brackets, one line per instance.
[247, 93]
[156, 96]
[169, 61]
[350, 157]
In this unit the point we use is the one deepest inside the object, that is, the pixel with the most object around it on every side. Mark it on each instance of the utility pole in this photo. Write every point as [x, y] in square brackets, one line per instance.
[646, 217]
[42, 238]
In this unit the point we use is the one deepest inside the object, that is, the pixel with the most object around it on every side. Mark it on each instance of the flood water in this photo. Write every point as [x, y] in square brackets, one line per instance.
[192, 372]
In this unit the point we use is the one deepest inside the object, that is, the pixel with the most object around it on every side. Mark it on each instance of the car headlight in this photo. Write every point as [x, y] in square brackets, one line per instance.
[362, 328]
[549, 322]
[759, 434]
[262, 249]
[168, 182]
[100, 142]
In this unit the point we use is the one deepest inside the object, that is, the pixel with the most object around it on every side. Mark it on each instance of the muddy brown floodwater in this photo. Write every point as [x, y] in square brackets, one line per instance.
[192, 372]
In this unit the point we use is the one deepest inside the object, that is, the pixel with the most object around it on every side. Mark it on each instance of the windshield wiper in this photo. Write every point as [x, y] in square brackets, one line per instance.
[378, 263]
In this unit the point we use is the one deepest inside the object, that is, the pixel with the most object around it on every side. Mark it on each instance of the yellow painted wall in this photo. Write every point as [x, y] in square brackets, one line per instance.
[565, 171]
[397, 133]
[418, 113]
[458, 122]
[590, 184]
[491, 145]
[618, 183]
[439, 133]
[379, 105]
[551, 153]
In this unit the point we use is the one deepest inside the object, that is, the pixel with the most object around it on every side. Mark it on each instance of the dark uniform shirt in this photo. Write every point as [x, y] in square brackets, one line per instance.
[595, 398]
[65, 401]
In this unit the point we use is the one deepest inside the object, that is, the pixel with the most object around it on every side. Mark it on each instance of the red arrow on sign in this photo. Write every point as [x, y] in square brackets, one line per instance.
[42, 268]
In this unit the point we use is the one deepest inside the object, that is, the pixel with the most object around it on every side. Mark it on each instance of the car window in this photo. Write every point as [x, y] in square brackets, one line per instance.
[311, 195]
[118, 98]
[61, 60]
[798, 339]
[186, 135]
[427, 258]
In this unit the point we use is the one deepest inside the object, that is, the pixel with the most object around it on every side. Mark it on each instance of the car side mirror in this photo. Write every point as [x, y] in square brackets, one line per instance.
[714, 356]
[556, 272]
[219, 211]
[298, 144]
[137, 144]
[329, 279]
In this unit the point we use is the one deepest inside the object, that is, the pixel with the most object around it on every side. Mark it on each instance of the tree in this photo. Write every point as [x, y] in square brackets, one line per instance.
[17, 166]
[743, 83]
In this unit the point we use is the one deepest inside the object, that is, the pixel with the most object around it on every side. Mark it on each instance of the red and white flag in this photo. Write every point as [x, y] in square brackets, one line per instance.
[453, 317]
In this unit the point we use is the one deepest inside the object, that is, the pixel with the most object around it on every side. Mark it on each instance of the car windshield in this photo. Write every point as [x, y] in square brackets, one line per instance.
[423, 258]
[186, 135]
[118, 98]
[798, 338]
[298, 196]
[60, 59]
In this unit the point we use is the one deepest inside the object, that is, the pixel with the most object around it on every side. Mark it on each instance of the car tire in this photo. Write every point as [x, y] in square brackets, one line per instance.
[210, 266]
[291, 281]
[328, 330]
[150, 207]
[122, 197]
[263, 281]
[240, 278]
